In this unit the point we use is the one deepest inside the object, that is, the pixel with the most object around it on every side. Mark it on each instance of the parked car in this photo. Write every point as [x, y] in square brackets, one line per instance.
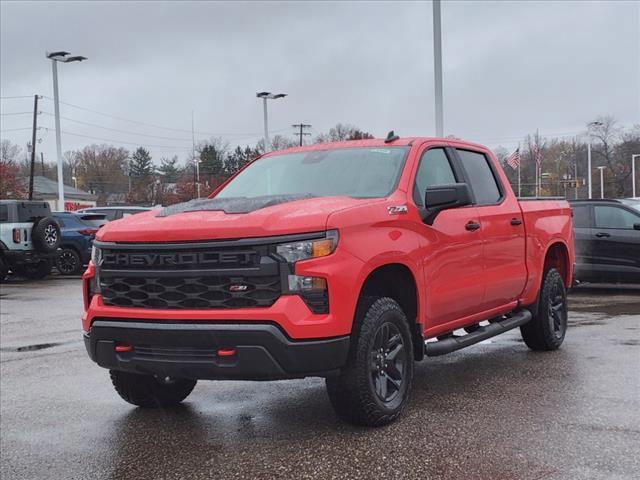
[607, 236]
[115, 213]
[346, 260]
[29, 239]
[78, 231]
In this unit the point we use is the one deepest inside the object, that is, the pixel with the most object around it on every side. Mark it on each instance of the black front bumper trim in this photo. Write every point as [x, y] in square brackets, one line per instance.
[189, 350]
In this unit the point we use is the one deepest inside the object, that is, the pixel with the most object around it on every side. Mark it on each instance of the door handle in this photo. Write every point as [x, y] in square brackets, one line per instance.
[472, 226]
[602, 235]
[516, 221]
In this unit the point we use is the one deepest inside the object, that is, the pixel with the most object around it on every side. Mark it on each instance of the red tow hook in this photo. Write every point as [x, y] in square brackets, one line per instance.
[226, 352]
[123, 348]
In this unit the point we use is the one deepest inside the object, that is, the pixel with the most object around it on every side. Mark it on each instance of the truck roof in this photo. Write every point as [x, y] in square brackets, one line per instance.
[372, 143]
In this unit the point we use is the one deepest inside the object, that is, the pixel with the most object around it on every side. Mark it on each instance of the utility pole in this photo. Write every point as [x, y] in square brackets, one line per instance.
[33, 144]
[437, 67]
[301, 132]
[195, 161]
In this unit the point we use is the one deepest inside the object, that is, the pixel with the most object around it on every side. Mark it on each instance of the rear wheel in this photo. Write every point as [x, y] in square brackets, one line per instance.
[68, 262]
[373, 389]
[148, 391]
[547, 329]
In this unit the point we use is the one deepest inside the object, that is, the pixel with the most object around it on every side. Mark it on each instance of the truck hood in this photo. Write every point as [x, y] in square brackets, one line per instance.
[175, 225]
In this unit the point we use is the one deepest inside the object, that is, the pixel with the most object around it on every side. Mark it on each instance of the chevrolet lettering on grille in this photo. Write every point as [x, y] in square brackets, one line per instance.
[189, 259]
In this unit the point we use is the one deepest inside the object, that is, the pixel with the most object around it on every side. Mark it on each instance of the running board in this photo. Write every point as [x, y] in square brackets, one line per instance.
[451, 344]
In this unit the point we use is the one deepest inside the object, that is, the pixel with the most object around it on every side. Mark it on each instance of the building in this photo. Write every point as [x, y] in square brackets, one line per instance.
[74, 198]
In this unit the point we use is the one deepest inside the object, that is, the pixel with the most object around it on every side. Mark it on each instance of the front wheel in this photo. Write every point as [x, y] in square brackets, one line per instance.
[373, 389]
[149, 391]
[4, 270]
[547, 329]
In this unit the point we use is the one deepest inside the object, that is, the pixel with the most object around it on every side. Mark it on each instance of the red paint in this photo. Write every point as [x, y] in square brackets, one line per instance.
[461, 276]
[123, 348]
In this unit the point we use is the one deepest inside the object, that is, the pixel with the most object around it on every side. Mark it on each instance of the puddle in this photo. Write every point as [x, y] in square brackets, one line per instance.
[30, 348]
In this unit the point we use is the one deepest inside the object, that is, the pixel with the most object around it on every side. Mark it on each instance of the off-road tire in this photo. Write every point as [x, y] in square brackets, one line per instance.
[147, 391]
[45, 235]
[36, 271]
[547, 329]
[68, 262]
[4, 270]
[353, 393]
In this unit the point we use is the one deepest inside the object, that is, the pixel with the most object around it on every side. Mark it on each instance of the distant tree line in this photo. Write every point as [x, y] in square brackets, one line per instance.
[137, 178]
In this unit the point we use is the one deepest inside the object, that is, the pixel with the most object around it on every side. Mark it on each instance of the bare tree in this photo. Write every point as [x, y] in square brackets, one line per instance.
[607, 132]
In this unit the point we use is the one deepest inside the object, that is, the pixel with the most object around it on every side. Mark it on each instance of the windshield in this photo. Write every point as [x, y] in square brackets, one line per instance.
[354, 172]
[635, 204]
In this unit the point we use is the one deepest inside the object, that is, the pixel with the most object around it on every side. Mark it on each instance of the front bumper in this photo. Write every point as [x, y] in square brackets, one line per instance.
[190, 350]
[17, 258]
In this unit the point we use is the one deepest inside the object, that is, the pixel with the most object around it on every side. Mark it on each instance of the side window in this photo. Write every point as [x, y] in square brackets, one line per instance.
[581, 216]
[4, 213]
[483, 182]
[614, 217]
[434, 169]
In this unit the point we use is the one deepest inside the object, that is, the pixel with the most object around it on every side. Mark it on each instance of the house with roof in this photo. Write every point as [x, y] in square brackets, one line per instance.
[74, 198]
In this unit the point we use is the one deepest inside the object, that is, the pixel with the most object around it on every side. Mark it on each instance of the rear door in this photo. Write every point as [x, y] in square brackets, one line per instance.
[505, 271]
[452, 252]
[616, 242]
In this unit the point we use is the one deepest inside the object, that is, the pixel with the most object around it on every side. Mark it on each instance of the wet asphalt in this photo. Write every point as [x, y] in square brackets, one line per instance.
[493, 411]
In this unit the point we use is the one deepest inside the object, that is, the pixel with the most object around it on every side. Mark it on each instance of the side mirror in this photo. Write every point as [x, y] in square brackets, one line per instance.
[444, 197]
[636, 226]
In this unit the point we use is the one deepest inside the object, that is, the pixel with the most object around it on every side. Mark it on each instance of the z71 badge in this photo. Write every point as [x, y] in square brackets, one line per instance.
[397, 209]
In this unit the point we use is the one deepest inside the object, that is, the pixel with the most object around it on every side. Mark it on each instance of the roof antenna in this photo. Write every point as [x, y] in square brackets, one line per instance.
[391, 137]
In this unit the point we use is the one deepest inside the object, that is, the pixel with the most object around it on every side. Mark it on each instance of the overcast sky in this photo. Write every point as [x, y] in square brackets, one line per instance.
[509, 68]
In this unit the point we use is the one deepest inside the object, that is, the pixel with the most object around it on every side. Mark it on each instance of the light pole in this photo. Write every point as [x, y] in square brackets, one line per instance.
[56, 57]
[437, 67]
[601, 181]
[633, 174]
[75, 182]
[589, 125]
[268, 96]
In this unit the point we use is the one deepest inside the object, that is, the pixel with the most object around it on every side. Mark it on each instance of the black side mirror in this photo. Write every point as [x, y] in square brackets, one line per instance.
[636, 226]
[444, 197]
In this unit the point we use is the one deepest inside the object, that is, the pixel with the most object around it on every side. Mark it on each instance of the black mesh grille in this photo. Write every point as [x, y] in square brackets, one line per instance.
[197, 292]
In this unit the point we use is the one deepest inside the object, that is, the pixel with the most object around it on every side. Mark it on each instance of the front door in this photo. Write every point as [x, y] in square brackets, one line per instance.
[616, 242]
[451, 247]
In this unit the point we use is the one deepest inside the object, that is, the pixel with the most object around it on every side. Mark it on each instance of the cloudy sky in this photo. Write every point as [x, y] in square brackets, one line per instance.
[509, 68]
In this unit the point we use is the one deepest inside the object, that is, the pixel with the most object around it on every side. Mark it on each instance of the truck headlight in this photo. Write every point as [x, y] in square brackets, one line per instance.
[321, 247]
[96, 255]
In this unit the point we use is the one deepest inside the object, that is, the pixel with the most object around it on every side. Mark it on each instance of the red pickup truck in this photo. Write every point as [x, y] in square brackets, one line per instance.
[349, 261]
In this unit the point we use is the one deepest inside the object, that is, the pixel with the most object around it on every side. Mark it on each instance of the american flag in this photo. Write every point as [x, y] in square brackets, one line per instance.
[514, 159]
[537, 155]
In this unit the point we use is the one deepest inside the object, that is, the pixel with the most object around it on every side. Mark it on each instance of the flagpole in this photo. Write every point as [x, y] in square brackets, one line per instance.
[519, 184]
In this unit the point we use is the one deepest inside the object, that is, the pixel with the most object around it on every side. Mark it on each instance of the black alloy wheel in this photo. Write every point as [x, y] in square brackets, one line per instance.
[388, 362]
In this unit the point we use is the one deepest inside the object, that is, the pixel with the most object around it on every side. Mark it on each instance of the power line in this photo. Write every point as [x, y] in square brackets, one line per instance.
[179, 148]
[118, 130]
[15, 129]
[17, 113]
[20, 96]
[153, 125]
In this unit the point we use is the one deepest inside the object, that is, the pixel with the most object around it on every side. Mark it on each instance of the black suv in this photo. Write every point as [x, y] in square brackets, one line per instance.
[607, 239]
[29, 239]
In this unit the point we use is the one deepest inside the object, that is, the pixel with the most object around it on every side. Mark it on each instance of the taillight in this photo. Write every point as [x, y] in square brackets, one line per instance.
[16, 235]
[88, 231]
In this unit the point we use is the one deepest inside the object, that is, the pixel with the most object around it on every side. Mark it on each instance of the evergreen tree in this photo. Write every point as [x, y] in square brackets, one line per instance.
[169, 170]
[141, 165]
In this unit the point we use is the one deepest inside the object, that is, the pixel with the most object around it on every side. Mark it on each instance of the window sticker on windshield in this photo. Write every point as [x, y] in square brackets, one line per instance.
[386, 151]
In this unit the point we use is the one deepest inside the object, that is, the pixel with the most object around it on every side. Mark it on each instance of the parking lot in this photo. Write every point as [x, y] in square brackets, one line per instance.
[496, 410]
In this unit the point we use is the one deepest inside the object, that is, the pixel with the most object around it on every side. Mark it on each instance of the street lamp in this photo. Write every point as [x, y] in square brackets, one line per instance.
[56, 57]
[437, 67]
[268, 96]
[75, 182]
[601, 181]
[633, 174]
[589, 125]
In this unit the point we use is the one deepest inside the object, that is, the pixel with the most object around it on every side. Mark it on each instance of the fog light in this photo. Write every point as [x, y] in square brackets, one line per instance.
[313, 291]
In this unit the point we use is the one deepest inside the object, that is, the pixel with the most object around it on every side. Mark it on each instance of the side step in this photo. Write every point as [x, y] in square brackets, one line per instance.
[451, 344]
